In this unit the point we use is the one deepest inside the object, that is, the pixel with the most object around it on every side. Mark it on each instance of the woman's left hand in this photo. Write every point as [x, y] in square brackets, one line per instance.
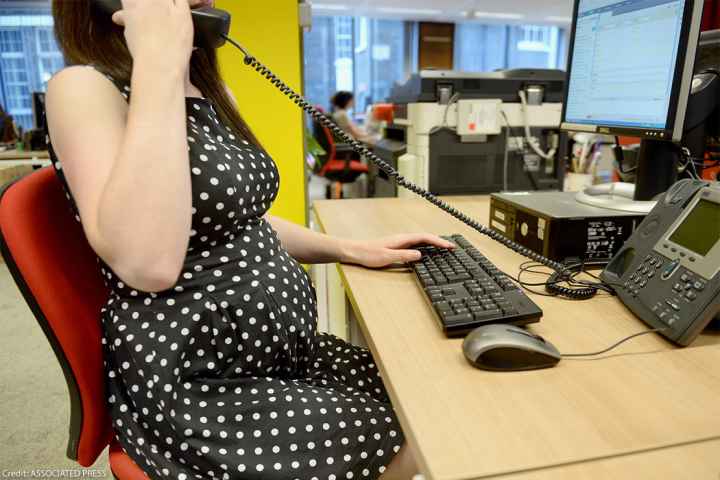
[390, 250]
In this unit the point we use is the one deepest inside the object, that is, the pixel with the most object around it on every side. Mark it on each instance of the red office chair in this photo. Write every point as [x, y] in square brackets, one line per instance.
[57, 272]
[341, 164]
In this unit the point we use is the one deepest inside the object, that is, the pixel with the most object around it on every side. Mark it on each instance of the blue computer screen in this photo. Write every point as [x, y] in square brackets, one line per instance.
[623, 63]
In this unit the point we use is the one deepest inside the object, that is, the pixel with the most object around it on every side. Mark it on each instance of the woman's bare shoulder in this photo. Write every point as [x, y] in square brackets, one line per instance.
[80, 82]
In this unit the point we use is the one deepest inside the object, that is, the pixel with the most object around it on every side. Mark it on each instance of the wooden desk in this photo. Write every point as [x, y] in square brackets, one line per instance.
[612, 417]
[13, 158]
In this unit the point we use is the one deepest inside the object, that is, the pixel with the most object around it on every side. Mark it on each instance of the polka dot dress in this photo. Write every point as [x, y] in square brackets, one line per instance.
[224, 376]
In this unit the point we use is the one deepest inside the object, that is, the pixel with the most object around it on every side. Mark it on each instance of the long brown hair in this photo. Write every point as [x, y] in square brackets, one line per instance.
[87, 36]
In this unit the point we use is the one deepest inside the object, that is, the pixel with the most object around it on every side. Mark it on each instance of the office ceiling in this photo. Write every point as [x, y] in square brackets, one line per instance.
[555, 12]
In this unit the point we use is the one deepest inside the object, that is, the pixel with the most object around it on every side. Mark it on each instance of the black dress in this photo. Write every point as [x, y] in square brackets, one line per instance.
[224, 375]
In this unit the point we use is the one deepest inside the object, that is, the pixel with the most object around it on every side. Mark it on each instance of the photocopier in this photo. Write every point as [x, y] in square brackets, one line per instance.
[471, 133]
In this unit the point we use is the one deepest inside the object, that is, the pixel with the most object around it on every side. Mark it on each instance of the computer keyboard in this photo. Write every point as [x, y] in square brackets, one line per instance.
[466, 290]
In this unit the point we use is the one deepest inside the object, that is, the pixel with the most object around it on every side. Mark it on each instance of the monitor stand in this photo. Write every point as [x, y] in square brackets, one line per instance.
[656, 173]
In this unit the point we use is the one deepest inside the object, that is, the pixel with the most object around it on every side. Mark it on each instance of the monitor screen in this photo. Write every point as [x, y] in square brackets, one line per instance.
[624, 62]
[700, 230]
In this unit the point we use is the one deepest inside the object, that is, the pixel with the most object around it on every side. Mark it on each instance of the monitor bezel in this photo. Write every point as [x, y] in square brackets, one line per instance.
[682, 81]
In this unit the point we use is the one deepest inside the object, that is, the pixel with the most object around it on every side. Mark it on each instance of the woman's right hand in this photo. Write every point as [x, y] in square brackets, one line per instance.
[158, 31]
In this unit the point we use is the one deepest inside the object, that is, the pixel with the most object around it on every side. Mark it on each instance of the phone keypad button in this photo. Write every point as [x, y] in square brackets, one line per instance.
[673, 305]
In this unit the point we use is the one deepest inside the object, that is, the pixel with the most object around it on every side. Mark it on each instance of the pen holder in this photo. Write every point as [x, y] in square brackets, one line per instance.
[576, 182]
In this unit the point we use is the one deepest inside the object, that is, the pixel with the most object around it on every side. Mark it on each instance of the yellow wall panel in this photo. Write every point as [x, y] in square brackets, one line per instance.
[270, 31]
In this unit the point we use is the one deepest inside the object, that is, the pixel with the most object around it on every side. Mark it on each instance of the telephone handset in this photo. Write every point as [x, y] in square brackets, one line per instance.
[211, 24]
[212, 27]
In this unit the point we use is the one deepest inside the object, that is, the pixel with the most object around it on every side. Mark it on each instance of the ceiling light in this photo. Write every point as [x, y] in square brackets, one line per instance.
[503, 16]
[329, 6]
[409, 11]
[559, 19]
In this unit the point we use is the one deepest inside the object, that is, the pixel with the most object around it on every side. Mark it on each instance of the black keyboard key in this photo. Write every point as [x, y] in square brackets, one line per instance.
[486, 315]
[459, 277]
[461, 318]
[442, 306]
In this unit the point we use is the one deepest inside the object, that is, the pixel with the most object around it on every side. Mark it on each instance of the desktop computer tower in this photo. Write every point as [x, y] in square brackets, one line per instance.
[556, 226]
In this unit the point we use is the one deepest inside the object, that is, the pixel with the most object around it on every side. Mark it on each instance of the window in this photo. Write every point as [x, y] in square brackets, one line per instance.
[29, 56]
[379, 62]
[364, 55]
[482, 48]
[368, 56]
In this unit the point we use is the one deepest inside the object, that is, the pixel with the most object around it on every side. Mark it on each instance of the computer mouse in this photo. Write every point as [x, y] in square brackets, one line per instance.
[508, 348]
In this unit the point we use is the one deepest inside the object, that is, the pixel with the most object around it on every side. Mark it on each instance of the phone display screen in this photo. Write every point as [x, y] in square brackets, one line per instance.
[700, 230]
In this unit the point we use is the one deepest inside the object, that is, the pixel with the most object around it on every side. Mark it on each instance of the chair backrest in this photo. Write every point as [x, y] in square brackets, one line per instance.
[58, 274]
[325, 138]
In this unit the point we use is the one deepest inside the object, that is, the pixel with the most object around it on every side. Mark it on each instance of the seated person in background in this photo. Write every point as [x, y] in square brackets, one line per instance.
[342, 103]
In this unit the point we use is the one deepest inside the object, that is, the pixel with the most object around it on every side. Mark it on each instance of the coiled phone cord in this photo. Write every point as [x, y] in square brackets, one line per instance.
[301, 102]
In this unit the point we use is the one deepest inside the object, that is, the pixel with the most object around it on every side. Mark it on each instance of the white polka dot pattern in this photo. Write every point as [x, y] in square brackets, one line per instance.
[224, 375]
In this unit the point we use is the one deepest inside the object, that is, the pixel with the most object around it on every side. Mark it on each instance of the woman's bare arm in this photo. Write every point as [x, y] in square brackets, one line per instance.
[127, 168]
[308, 246]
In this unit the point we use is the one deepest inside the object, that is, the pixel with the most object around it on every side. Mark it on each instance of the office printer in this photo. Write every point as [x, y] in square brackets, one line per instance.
[470, 133]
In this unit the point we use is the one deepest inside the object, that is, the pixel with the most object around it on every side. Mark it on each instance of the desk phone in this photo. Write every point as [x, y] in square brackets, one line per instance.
[668, 272]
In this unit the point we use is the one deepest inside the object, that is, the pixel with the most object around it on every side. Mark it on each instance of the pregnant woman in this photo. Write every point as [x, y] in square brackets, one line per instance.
[214, 365]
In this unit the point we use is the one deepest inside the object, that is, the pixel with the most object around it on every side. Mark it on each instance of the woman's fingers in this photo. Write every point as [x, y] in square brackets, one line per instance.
[403, 241]
[119, 18]
[415, 239]
[404, 256]
[183, 5]
[435, 241]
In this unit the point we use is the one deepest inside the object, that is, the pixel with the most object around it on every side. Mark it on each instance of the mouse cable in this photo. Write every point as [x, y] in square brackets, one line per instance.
[615, 345]
[391, 172]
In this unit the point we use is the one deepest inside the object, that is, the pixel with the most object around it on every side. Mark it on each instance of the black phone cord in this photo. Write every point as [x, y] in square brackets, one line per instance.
[321, 118]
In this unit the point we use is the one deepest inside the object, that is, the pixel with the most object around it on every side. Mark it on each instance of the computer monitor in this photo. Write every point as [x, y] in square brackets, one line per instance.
[631, 66]
[630, 72]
